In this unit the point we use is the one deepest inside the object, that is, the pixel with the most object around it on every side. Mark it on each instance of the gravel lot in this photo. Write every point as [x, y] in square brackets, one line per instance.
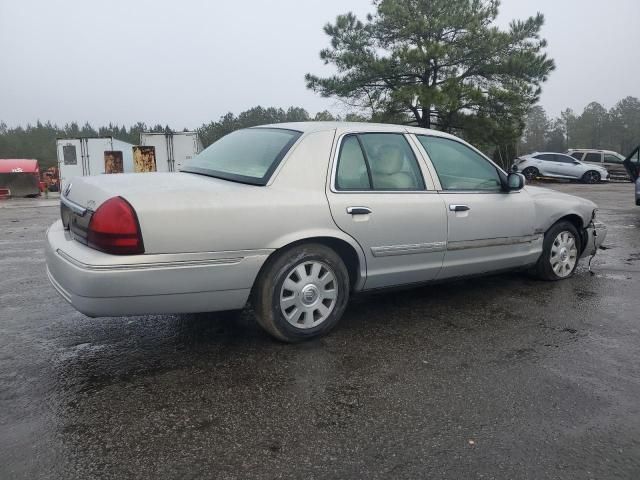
[499, 377]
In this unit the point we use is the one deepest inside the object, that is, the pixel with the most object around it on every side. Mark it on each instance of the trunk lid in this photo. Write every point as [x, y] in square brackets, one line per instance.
[169, 206]
[139, 188]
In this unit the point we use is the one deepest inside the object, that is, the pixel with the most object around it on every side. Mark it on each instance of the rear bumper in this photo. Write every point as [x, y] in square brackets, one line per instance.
[596, 233]
[101, 285]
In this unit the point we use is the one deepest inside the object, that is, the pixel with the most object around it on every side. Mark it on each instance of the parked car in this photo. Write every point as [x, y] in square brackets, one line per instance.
[558, 165]
[632, 165]
[609, 159]
[298, 217]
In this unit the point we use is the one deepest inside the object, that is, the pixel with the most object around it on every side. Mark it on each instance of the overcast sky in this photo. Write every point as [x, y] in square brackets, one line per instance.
[187, 62]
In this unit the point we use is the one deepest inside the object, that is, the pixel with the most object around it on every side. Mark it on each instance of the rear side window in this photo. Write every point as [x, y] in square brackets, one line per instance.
[248, 156]
[378, 161]
[593, 157]
[352, 167]
[577, 155]
[458, 166]
[549, 157]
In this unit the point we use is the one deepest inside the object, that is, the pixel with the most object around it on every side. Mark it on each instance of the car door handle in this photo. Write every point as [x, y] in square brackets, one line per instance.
[358, 210]
[459, 208]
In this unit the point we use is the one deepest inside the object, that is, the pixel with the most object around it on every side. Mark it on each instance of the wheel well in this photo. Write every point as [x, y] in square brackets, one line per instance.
[346, 252]
[577, 222]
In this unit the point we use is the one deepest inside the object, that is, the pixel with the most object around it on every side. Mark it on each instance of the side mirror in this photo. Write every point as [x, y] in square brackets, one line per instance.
[515, 182]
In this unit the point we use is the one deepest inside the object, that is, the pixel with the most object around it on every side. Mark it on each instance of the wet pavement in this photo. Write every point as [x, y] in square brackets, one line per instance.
[499, 377]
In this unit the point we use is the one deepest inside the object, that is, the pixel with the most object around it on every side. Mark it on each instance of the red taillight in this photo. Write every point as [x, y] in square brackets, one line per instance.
[114, 228]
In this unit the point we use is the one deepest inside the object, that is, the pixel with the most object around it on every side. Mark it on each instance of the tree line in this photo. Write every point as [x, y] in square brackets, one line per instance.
[616, 129]
[39, 141]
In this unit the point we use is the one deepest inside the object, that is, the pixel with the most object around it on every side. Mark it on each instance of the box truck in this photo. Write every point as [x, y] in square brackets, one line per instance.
[80, 157]
[169, 150]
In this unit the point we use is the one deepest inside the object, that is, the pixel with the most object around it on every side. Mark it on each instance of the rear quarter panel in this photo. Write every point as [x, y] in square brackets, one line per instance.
[236, 216]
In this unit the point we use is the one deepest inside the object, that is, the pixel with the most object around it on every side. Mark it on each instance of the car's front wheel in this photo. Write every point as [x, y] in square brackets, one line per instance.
[591, 177]
[302, 293]
[531, 173]
[560, 252]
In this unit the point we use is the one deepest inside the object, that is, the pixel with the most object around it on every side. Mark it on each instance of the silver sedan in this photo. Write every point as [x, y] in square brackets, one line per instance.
[297, 217]
[559, 165]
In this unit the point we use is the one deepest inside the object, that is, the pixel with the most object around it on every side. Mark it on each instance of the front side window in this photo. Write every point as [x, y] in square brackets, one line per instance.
[248, 156]
[593, 157]
[378, 161]
[458, 166]
[609, 158]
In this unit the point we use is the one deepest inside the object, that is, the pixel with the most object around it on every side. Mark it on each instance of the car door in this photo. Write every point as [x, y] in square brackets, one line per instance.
[567, 166]
[593, 157]
[378, 194]
[553, 164]
[614, 163]
[632, 164]
[488, 229]
[544, 164]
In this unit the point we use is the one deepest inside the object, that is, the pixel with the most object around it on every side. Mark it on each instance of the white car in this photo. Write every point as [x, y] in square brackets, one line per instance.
[558, 165]
[298, 217]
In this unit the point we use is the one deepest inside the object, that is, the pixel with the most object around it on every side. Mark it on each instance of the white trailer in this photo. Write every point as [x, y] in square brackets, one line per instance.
[172, 149]
[84, 156]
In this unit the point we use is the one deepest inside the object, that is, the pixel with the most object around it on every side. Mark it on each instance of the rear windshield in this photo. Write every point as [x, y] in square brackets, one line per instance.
[248, 156]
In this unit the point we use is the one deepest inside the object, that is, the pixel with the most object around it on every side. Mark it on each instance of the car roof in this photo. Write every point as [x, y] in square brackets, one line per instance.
[308, 127]
[593, 150]
[548, 153]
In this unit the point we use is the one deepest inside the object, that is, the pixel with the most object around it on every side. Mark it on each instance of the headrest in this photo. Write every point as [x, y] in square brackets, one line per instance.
[389, 160]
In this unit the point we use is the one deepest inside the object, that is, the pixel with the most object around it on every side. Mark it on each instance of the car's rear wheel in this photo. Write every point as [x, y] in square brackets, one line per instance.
[302, 293]
[591, 177]
[531, 173]
[560, 252]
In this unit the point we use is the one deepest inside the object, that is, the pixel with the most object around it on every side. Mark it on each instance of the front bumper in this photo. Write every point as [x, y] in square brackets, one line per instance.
[102, 285]
[596, 232]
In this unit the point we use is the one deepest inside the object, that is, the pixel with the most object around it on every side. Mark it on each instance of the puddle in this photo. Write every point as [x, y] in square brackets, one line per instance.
[613, 276]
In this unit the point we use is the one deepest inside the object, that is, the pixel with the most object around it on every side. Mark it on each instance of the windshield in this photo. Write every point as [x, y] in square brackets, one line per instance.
[248, 156]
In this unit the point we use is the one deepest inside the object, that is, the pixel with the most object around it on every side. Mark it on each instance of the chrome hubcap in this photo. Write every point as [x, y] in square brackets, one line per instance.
[308, 294]
[564, 254]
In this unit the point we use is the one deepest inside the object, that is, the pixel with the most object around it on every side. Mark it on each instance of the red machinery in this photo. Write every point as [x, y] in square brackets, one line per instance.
[19, 178]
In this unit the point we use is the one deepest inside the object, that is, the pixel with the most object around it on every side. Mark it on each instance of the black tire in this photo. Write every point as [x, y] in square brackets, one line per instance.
[591, 177]
[269, 288]
[543, 268]
[531, 173]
